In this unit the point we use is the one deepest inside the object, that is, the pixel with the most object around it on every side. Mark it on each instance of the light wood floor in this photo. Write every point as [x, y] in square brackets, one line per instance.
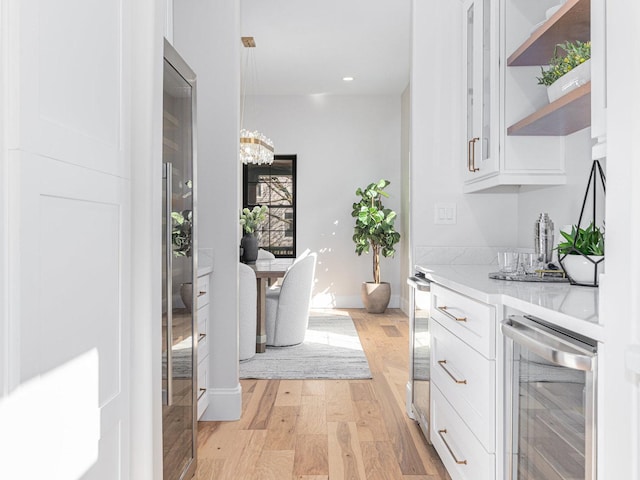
[327, 429]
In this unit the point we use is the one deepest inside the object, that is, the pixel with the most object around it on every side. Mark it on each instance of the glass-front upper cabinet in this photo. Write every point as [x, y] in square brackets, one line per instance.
[481, 80]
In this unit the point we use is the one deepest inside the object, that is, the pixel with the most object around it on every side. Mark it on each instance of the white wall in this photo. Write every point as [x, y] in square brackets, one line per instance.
[207, 35]
[562, 202]
[341, 143]
[146, 229]
[437, 145]
[619, 406]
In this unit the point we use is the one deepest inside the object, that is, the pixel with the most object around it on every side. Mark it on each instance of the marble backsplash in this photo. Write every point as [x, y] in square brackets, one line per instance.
[460, 255]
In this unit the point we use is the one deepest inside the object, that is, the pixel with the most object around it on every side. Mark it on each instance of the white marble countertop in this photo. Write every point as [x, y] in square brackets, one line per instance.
[572, 307]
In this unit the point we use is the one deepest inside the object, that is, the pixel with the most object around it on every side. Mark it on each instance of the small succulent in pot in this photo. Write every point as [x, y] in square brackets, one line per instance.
[582, 254]
[587, 241]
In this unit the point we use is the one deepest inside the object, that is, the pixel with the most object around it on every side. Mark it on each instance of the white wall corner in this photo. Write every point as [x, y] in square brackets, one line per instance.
[225, 404]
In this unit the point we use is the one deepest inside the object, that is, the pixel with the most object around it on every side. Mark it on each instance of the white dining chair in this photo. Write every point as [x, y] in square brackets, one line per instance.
[287, 306]
[265, 254]
[248, 295]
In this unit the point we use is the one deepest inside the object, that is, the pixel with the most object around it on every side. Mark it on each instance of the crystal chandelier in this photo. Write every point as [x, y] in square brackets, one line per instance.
[255, 147]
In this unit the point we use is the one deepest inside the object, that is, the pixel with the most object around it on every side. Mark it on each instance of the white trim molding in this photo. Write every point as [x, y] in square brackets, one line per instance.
[224, 404]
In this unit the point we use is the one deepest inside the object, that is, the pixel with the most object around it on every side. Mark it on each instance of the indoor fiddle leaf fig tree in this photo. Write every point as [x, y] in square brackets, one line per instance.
[374, 231]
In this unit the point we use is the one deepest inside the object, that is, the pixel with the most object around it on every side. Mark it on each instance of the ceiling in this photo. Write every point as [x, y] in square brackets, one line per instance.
[307, 46]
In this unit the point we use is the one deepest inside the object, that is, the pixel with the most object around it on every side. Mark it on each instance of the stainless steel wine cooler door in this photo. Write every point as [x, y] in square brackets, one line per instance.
[179, 253]
[551, 380]
[420, 351]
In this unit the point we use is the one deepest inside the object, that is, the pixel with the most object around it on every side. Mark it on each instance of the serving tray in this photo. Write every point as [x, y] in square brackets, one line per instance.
[549, 276]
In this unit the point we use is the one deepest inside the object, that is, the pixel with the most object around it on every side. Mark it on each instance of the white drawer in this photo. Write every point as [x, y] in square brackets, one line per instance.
[203, 380]
[460, 451]
[467, 380]
[202, 293]
[203, 332]
[472, 321]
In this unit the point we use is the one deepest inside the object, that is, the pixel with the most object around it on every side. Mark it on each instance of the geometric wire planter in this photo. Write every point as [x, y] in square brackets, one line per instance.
[595, 264]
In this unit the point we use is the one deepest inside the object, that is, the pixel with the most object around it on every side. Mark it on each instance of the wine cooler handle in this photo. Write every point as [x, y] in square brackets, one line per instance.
[168, 173]
[543, 345]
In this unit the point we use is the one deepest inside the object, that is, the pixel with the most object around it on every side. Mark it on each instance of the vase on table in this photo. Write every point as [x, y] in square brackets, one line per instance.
[249, 244]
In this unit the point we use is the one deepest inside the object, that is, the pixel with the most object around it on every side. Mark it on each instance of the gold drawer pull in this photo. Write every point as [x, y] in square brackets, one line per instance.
[202, 392]
[444, 310]
[442, 363]
[459, 462]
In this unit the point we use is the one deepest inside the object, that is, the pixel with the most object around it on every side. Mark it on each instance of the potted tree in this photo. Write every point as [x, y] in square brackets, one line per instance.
[582, 254]
[374, 231]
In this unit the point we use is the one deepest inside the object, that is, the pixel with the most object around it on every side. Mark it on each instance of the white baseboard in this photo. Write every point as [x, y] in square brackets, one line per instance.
[224, 404]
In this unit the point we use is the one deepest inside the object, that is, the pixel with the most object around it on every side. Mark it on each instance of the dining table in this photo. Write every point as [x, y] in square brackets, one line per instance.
[266, 270]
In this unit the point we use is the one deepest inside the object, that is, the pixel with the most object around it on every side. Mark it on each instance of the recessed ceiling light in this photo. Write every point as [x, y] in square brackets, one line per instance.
[347, 79]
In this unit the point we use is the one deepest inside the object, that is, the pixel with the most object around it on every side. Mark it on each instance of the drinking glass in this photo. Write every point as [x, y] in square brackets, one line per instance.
[528, 263]
[508, 262]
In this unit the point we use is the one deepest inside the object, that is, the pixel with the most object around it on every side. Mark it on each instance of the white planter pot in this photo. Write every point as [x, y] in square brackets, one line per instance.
[577, 77]
[581, 270]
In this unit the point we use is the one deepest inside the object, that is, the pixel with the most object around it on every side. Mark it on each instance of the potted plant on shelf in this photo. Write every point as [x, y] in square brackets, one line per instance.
[250, 221]
[374, 230]
[582, 254]
[569, 71]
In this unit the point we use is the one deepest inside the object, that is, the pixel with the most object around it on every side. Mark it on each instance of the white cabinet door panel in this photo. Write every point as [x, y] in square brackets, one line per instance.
[71, 82]
[467, 380]
[472, 321]
[71, 239]
[68, 237]
[460, 451]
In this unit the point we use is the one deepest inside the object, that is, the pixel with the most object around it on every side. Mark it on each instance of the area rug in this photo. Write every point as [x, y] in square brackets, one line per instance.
[331, 350]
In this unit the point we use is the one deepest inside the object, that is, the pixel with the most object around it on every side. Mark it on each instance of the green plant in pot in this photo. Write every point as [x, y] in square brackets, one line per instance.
[181, 233]
[250, 221]
[567, 72]
[582, 254]
[374, 231]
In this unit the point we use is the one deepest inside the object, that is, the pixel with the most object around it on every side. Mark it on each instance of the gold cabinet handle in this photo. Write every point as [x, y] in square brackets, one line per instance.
[455, 459]
[444, 310]
[442, 363]
[471, 155]
[201, 293]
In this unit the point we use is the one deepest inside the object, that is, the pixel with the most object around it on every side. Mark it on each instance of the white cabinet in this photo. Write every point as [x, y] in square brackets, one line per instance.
[481, 92]
[202, 319]
[464, 427]
[525, 133]
[460, 451]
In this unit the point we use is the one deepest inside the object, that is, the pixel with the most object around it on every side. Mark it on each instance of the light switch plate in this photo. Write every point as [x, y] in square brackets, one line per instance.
[445, 214]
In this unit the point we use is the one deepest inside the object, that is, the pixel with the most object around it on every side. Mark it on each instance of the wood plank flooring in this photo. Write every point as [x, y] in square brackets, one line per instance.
[327, 429]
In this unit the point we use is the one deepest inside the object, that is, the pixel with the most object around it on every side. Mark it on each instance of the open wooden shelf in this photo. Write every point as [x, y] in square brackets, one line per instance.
[568, 114]
[570, 22]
